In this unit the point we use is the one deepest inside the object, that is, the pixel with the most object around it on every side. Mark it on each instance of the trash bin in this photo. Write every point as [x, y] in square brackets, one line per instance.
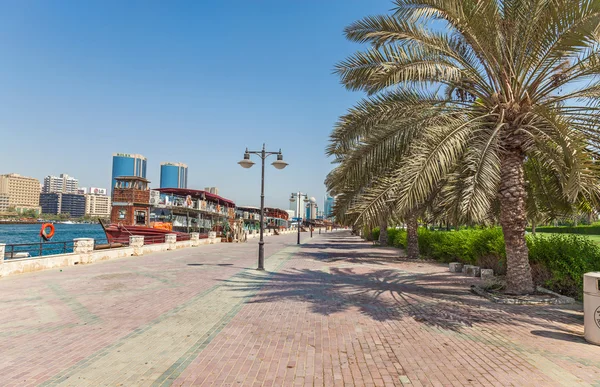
[591, 307]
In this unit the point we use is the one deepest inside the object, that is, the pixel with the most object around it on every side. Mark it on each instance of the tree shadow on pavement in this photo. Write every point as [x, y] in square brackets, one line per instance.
[385, 295]
[574, 338]
[375, 258]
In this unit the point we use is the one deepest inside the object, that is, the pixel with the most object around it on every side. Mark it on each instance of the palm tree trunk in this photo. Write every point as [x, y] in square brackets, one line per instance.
[383, 233]
[412, 240]
[513, 220]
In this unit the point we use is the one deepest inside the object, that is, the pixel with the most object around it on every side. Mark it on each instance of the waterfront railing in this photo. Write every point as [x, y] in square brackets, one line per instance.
[26, 250]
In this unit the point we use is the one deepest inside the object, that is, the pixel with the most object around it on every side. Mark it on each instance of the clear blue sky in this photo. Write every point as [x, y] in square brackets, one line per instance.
[189, 81]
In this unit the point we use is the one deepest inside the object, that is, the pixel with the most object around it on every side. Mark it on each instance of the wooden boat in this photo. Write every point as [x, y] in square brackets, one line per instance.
[139, 211]
[276, 219]
[119, 233]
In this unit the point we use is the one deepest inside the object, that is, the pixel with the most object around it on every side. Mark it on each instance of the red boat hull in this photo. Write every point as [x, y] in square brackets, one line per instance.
[120, 234]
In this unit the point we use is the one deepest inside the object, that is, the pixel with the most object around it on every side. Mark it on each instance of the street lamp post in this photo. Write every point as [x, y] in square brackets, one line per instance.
[294, 197]
[247, 163]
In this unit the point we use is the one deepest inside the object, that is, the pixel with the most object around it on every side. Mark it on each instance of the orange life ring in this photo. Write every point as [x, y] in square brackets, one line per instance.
[49, 235]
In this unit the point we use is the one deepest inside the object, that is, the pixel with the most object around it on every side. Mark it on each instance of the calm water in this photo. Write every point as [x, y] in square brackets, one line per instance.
[29, 233]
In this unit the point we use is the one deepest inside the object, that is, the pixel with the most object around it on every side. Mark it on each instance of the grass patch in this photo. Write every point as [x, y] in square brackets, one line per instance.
[593, 238]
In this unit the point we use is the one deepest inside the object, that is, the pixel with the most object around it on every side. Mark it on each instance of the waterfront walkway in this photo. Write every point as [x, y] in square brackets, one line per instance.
[334, 311]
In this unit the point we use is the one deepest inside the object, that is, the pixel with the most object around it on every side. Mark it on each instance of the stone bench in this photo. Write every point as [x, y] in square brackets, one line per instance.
[472, 270]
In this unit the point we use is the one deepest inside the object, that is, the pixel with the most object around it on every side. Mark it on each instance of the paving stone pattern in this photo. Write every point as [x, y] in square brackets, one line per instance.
[334, 311]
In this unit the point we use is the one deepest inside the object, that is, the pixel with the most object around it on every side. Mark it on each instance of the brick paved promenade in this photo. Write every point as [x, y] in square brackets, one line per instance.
[333, 312]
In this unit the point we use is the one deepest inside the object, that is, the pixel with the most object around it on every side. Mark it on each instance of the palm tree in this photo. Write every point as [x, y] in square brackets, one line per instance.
[472, 90]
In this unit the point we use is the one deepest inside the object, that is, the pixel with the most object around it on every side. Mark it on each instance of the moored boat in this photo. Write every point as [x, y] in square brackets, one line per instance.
[276, 219]
[138, 210]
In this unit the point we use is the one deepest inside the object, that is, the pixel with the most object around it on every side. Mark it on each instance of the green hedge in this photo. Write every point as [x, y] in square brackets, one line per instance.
[558, 261]
[585, 230]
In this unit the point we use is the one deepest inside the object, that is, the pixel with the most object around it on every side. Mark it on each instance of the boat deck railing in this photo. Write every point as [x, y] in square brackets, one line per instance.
[28, 250]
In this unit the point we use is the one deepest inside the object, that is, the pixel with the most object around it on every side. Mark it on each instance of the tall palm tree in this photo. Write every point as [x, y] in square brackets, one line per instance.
[474, 89]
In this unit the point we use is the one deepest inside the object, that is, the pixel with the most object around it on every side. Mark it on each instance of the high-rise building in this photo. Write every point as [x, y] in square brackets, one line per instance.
[23, 192]
[63, 184]
[173, 175]
[97, 205]
[311, 208]
[329, 203]
[62, 203]
[125, 164]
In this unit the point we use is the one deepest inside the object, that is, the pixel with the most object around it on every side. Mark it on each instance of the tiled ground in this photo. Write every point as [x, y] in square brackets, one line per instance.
[335, 311]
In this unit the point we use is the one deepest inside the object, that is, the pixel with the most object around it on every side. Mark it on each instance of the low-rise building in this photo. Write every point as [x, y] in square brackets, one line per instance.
[97, 205]
[61, 203]
[23, 192]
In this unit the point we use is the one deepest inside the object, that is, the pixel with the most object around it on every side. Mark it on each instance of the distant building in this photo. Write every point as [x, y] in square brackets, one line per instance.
[62, 203]
[291, 213]
[97, 205]
[50, 203]
[329, 203]
[82, 190]
[173, 175]
[212, 190]
[63, 184]
[23, 192]
[4, 202]
[125, 164]
[311, 209]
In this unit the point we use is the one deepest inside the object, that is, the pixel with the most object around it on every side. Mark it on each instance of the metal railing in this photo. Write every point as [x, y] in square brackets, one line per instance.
[148, 240]
[119, 242]
[30, 250]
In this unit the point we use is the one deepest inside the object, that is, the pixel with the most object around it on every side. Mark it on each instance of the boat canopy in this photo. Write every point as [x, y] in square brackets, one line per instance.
[197, 194]
[249, 209]
[276, 213]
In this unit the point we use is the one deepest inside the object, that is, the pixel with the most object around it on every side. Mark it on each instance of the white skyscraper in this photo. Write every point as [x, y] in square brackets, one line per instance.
[62, 184]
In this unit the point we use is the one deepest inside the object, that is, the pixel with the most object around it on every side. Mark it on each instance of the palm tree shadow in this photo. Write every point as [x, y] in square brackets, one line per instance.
[380, 294]
[388, 294]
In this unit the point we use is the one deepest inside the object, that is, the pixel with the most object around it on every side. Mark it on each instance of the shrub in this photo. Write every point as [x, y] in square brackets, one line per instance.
[397, 237]
[446, 246]
[559, 261]
[489, 250]
[374, 234]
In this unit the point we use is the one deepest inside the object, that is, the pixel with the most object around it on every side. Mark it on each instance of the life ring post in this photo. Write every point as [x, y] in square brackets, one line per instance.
[47, 235]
